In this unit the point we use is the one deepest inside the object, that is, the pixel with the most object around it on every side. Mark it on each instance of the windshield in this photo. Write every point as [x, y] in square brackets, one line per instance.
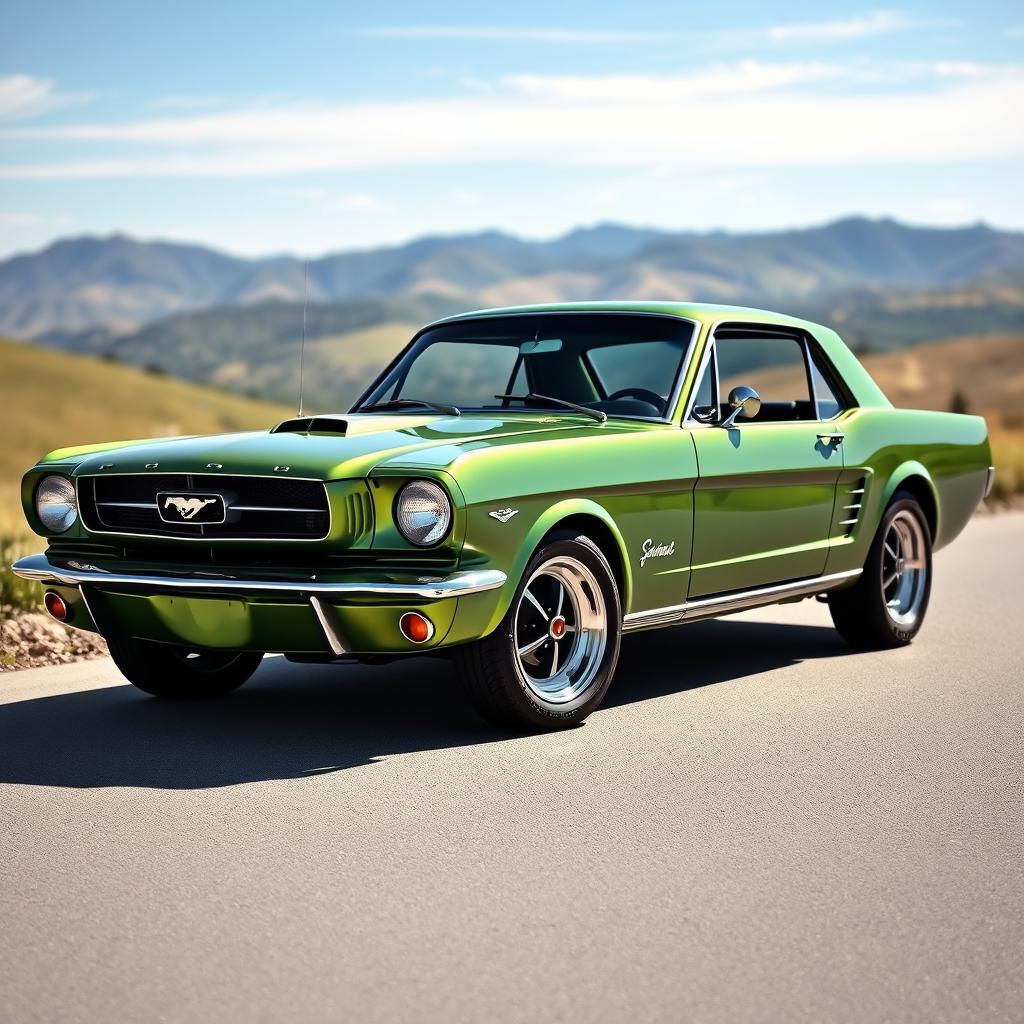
[621, 364]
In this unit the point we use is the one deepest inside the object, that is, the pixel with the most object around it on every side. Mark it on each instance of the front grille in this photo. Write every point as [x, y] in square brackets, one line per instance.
[258, 508]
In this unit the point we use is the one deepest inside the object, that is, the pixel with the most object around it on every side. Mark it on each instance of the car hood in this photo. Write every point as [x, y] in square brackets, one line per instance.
[350, 445]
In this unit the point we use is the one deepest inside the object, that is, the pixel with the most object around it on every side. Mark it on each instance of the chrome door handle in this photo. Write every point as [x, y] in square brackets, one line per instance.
[833, 439]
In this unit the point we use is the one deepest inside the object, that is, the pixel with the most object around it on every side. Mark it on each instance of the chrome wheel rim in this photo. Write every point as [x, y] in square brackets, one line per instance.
[561, 631]
[904, 568]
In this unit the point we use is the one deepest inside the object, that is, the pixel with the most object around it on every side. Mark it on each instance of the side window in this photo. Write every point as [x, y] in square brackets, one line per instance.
[829, 402]
[774, 367]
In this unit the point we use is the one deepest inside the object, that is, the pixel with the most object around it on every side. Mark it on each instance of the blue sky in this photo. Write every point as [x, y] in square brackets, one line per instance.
[328, 126]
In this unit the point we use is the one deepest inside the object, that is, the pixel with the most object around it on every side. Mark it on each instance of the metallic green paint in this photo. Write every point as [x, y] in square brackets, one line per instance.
[682, 510]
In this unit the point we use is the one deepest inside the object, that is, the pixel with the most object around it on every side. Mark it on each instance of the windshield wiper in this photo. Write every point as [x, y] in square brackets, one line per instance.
[400, 403]
[595, 414]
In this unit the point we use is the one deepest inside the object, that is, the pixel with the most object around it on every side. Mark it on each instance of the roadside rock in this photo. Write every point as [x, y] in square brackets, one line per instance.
[33, 640]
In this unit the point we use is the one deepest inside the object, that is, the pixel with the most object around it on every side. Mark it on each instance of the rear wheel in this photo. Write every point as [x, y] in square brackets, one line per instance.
[550, 662]
[887, 605]
[166, 670]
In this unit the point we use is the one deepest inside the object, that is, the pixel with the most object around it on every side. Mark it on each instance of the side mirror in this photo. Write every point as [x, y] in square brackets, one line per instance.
[743, 401]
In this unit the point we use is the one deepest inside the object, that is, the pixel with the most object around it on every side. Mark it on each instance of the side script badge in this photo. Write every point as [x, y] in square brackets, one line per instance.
[651, 549]
[503, 515]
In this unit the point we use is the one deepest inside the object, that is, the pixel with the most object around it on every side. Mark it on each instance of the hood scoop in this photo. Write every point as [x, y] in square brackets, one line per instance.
[313, 425]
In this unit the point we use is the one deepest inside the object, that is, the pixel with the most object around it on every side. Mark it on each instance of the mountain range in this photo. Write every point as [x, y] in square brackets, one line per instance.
[119, 284]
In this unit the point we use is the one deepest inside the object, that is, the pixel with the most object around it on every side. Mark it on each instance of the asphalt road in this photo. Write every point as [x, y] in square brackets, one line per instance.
[761, 826]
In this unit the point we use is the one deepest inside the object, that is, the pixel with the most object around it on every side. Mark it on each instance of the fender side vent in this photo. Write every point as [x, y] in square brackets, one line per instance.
[849, 503]
[312, 425]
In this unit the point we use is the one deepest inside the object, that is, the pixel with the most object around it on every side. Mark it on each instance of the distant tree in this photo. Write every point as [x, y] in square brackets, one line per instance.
[155, 371]
[958, 402]
[862, 347]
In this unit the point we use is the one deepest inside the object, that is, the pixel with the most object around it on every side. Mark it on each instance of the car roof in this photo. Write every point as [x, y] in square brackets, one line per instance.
[699, 311]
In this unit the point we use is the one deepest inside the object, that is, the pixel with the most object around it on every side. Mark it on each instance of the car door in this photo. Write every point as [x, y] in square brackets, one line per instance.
[763, 503]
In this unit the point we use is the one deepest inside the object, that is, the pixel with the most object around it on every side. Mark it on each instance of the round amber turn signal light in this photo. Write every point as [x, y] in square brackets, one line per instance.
[55, 605]
[416, 628]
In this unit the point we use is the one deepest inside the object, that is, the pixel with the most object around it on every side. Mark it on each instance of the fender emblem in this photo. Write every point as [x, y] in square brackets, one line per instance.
[503, 515]
[652, 550]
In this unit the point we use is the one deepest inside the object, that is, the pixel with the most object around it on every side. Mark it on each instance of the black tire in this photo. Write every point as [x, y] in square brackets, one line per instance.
[866, 614]
[165, 670]
[497, 679]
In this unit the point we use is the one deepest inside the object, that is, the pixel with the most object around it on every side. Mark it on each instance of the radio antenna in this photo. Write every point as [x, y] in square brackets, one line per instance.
[302, 347]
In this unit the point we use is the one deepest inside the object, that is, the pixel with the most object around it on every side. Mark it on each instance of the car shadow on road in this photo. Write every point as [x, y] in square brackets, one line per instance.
[293, 721]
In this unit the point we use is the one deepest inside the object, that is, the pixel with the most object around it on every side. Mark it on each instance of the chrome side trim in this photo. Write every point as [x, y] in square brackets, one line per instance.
[331, 632]
[73, 574]
[704, 607]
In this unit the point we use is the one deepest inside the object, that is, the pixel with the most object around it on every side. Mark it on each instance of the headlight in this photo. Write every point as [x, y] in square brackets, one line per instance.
[423, 513]
[56, 504]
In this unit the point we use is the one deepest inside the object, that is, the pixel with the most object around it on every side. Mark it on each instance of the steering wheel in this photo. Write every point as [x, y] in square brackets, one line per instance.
[642, 395]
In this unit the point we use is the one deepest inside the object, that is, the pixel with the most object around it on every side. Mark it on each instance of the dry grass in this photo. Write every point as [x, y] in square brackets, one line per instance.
[53, 399]
[1008, 458]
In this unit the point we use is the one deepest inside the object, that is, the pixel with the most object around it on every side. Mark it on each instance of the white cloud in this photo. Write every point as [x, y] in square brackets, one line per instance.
[749, 76]
[1015, 32]
[18, 219]
[872, 24]
[187, 101]
[736, 118]
[508, 34]
[950, 210]
[28, 96]
[355, 202]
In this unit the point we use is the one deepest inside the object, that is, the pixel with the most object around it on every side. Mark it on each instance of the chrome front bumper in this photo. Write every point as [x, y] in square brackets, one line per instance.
[323, 597]
[74, 573]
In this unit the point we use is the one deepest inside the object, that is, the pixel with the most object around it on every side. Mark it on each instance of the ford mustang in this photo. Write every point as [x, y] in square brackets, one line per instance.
[518, 489]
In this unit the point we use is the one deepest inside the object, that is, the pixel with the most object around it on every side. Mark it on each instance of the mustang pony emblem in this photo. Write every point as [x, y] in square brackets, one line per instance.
[188, 507]
[503, 515]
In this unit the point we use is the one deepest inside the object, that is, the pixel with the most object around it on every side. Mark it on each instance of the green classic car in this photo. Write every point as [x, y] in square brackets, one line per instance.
[517, 489]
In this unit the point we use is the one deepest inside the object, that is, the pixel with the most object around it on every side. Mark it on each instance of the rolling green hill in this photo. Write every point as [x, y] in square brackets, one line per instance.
[53, 399]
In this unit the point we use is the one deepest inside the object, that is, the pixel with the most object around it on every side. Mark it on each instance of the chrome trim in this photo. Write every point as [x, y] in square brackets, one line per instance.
[703, 607]
[331, 632]
[460, 584]
[170, 498]
[990, 479]
[209, 540]
[788, 330]
[235, 508]
[88, 607]
[270, 508]
[430, 628]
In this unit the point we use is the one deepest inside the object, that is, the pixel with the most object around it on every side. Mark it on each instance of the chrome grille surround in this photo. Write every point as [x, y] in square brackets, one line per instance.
[258, 507]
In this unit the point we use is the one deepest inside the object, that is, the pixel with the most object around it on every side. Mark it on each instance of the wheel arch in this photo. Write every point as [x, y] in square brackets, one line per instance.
[589, 518]
[913, 477]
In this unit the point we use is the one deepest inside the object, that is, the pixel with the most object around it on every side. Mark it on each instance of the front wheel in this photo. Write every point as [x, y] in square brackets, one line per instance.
[887, 605]
[550, 662]
[165, 670]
